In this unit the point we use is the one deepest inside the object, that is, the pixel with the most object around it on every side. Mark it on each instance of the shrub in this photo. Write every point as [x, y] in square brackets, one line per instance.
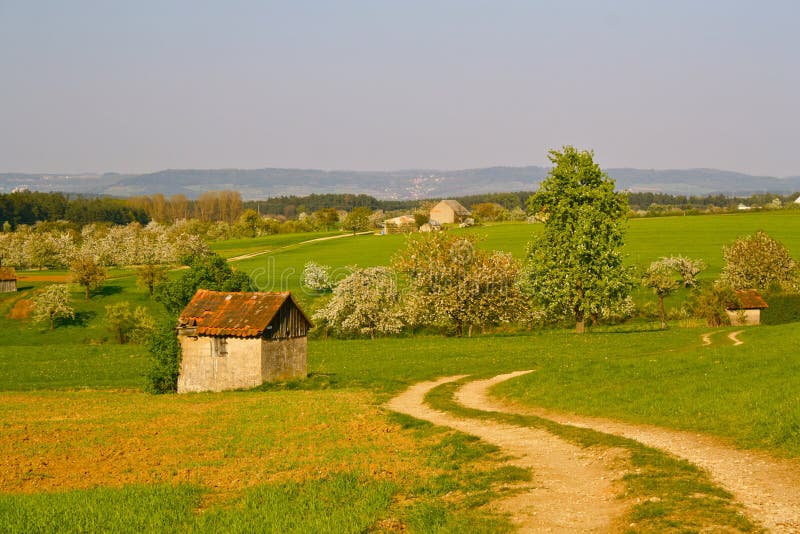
[127, 325]
[711, 302]
[165, 358]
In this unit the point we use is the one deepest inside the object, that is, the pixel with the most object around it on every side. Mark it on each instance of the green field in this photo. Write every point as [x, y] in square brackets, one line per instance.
[236, 247]
[80, 439]
[647, 239]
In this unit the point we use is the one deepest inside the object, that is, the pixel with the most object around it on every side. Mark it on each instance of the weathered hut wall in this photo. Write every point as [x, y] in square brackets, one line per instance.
[8, 286]
[443, 214]
[218, 364]
[284, 359]
[744, 317]
[288, 322]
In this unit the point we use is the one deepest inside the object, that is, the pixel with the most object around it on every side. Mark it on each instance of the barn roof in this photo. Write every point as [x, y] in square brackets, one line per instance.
[456, 206]
[236, 314]
[7, 273]
[750, 299]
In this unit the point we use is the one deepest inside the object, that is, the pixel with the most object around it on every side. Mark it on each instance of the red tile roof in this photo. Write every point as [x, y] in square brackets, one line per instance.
[750, 299]
[236, 314]
[7, 273]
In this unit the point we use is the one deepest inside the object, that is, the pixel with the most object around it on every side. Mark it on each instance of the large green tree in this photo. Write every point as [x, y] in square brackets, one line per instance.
[357, 220]
[575, 264]
[205, 272]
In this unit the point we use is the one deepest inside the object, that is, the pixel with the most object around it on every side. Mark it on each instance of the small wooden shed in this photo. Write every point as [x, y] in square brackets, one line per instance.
[8, 280]
[748, 311]
[232, 340]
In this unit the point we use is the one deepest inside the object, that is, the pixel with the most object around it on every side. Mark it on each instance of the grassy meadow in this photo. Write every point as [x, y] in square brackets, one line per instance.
[83, 448]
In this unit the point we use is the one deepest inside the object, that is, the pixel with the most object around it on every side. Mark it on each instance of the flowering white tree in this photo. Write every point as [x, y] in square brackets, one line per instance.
[5, 248]
[365, 302]
[455, 284]
[189, 245]
[52, 303]
[63, 246]
[131, 244]
[661, 278]
[95, 244]
[316, 277]
[688, 268]
[758, 262]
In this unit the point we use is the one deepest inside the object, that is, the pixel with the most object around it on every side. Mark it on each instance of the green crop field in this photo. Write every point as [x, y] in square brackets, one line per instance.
[83, 448]
[237, 247]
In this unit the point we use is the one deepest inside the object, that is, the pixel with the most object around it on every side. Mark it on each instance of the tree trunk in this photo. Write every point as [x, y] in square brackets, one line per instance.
[469, 331]
[86, 294]
[580, 326]
[661, 313]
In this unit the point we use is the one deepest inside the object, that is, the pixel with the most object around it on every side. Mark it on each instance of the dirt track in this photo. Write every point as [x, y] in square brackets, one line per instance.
[574, 488]
[768, 487]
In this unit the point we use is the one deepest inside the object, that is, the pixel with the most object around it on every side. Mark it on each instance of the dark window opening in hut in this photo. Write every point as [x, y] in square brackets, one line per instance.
[219, 346]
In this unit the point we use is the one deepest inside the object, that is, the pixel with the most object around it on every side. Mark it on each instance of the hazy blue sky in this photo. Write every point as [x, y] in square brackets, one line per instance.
[141, 86]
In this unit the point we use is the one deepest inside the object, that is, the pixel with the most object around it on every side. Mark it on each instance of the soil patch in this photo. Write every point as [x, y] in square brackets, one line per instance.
[59, 278]
[225, 442]
[22, 309]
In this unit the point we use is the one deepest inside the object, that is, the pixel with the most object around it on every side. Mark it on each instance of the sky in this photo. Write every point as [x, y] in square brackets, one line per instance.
[97, 86]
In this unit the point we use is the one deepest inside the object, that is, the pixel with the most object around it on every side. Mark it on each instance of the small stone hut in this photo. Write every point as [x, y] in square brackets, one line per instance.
[449, 211]
[8, 280]
[403, 224]
[232, 340]
[748, 311]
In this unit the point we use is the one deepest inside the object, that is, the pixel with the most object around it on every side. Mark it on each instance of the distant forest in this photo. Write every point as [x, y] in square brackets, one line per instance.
[29, 208]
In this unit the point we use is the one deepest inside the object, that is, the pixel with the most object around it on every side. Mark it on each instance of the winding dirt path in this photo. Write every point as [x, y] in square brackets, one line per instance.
[733, 336]
[707, 338]
[573, 488]
[768, 487]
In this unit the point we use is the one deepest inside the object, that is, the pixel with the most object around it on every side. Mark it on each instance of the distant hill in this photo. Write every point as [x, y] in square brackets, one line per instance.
[404, 184]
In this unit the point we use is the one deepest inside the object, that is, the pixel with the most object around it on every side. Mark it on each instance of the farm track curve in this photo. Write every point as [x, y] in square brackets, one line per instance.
[767, 487]
[734, 336]
[574, 488]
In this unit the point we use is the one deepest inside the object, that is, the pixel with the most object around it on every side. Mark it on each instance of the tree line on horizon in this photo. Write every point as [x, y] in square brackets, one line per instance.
[32, 207]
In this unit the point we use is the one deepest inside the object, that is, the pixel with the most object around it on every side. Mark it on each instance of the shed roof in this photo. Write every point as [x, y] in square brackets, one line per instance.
[7, 273]
[236, 314]
[456, 206]
[749, 299]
